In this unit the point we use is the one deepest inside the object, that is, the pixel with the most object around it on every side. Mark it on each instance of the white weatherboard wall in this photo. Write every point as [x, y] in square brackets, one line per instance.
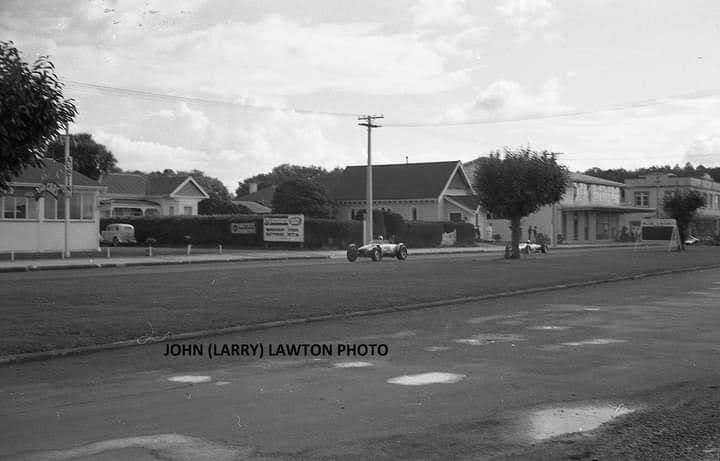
[47, 236]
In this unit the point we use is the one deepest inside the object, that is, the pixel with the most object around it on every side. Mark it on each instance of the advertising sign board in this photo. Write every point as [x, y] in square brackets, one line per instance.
[657, 229]
[242, 228]
[284, 228]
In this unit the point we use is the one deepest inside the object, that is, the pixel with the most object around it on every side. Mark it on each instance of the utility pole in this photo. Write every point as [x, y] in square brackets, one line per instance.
[68, 191]
[368, 122]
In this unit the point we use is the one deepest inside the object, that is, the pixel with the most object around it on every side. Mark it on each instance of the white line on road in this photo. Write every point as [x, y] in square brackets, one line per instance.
[427, 378]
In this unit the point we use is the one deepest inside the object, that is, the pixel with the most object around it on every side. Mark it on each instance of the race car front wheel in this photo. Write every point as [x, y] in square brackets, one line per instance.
[352, 253]
[376, 254]
[402, 253]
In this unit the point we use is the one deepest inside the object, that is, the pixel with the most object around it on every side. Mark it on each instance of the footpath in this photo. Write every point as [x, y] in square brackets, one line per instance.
[164, 256]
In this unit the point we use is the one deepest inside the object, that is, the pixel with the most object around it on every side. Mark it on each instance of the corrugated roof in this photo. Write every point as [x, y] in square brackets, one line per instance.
[254, 207]
[163, 185]
[126, 184]
[54, 171]
[395, 181]
[579, 177]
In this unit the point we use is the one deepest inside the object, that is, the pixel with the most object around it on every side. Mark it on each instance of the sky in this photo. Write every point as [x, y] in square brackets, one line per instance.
[236, 87]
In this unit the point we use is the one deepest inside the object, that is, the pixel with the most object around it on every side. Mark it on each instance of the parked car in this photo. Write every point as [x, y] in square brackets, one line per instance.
[377, 249]
[116, 234]
[531, 247]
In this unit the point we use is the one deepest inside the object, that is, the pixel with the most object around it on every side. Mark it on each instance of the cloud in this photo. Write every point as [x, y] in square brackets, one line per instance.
[507, 98]
[527, 17]
[440, 12]
[704, 151]
[230, 148]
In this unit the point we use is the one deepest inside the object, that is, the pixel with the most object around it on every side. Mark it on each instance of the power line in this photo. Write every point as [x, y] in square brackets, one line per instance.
[149, 95]
[530, 117]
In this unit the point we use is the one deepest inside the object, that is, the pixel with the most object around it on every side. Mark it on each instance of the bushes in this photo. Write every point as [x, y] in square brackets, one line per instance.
[319, 233]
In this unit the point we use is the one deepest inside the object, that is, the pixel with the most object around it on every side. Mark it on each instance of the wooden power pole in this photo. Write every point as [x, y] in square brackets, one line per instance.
[367, 121]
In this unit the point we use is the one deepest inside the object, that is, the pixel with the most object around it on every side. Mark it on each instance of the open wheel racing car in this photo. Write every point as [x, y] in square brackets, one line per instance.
[377, 249]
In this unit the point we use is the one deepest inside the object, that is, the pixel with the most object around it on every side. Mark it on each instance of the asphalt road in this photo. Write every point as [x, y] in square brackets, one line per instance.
[501, 368]
[49, 310]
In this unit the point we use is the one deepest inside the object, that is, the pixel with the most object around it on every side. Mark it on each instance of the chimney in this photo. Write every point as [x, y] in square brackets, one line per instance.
[253, 187]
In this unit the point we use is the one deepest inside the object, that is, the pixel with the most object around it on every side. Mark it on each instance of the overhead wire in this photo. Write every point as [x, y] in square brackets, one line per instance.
[166, 97]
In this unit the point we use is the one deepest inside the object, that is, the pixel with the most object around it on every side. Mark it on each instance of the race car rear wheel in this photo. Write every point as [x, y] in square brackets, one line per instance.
[376, 254]
[402, 253]
[352, 253]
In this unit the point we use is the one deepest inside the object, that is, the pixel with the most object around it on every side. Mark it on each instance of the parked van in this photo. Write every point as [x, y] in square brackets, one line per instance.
[118, 233]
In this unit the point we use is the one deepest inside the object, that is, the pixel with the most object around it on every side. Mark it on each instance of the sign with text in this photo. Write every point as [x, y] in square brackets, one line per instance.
[284, 228]
[657, 229]
[242, 228]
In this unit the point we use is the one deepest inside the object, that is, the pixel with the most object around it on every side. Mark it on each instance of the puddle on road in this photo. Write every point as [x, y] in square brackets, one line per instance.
[490, 338]
[192, 379]
[594, 342]
[570, 308]
[490, 318]
[551, 422]
[173, 447]
[222, 383]
[436, 348]
[548, 327]
[427, 378]
[352, 364]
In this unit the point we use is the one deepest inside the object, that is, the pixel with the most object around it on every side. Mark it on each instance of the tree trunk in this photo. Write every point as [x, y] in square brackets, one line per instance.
[682, 233]
[516, 232]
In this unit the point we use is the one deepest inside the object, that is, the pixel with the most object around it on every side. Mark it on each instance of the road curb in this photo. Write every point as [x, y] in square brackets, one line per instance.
[36, 356]
[104, 265]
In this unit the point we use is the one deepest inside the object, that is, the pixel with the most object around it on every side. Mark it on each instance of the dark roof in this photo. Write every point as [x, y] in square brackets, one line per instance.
[126, 184]
[264, 196]
[54, 171]
[163, 185]
[139, 185]
[254, 207]
[396, 181]
[469, 201]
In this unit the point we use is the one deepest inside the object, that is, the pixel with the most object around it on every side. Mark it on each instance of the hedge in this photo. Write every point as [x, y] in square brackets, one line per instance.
[319, 233]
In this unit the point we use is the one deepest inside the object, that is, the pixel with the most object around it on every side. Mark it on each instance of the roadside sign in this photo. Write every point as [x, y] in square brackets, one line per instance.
[242, 228]
[657, 229]
[284, 228]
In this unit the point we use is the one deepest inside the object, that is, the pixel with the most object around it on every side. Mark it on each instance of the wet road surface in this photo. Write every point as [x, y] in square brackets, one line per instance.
[465, 381]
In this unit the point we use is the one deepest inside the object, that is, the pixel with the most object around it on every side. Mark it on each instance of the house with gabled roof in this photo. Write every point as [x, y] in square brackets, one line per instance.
[257, 201]
[33, 210]
[150, 195]
[429, 191]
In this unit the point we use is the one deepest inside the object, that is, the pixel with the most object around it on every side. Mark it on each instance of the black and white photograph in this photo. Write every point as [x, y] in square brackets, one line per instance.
[419, 230]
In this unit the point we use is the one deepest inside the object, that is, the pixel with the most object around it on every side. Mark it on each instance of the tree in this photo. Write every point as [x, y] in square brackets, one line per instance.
[518, 185]
[89, 157]
[302, 196]
[682, 206]
[33, 111]
[286, 172]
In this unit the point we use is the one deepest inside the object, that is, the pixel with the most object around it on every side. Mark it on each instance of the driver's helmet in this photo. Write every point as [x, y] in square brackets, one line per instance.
[380, 237]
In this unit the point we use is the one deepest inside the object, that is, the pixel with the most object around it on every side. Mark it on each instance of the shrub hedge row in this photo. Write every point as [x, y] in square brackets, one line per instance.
[319, 233]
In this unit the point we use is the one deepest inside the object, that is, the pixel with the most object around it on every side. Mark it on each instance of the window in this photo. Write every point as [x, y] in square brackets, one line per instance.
[455, 217]
[603, 227]
[642, 199]
[187, 211]
[82, 206]
[18, 207]
[171, 211]
[589, 189]
[414, 213]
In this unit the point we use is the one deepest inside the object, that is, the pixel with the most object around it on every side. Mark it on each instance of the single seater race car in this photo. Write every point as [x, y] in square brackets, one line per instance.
[376, 250]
